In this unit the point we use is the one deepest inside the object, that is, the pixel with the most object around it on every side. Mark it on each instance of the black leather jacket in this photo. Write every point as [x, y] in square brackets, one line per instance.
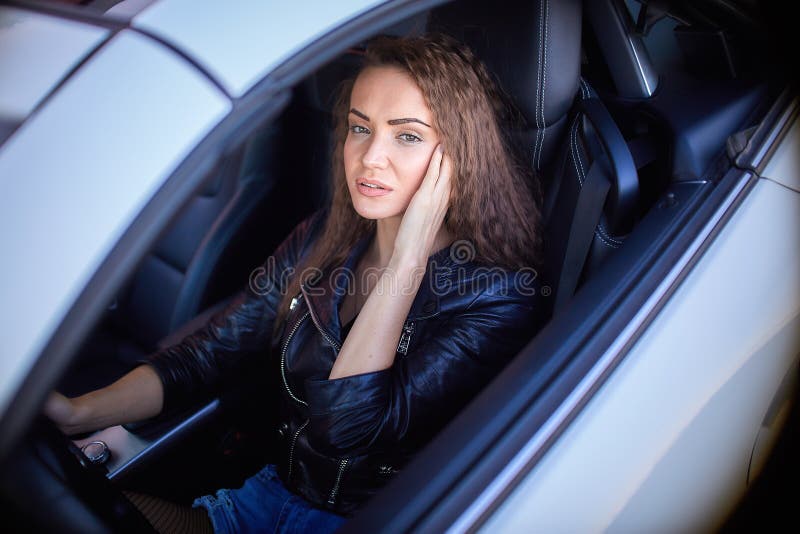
[344, 438]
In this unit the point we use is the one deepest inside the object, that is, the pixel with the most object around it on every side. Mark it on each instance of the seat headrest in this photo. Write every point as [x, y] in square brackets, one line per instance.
[534, 50]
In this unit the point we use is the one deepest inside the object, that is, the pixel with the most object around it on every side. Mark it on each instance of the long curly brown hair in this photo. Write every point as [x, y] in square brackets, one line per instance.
[492, 201]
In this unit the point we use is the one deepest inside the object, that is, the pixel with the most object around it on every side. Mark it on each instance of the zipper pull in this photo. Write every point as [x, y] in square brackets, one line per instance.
[405, 338]
[295, 301]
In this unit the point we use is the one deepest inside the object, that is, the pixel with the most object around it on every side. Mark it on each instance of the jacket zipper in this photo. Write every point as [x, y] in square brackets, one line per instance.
[283, 358]
[405, 338]
[335, 490]
[342, 463]
[291, 447]
[328, 338]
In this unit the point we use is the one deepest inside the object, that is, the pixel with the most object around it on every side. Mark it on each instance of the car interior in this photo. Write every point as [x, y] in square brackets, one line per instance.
[631, 114]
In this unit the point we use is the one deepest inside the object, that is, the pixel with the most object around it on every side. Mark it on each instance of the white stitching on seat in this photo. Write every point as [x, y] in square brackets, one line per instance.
[538, 88]
[604, 233]
[573, 149]
[546, 16]
[605, 242]
[587, 88]
[584, 89]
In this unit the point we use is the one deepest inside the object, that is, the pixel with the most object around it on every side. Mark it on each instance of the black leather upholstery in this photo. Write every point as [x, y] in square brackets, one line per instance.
[169, 287]
[537, 61]
[178, 278]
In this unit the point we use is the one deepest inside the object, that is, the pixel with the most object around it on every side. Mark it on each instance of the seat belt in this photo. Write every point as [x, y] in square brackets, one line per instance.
[588, 210]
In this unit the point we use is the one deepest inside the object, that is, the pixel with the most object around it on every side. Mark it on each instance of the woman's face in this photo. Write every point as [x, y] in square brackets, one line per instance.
[389, 143]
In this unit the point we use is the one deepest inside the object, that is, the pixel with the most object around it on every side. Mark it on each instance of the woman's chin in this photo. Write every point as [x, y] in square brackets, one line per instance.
[374, 211]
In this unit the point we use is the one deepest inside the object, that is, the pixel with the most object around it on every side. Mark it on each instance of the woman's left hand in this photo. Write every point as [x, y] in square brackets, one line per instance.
[423, 218]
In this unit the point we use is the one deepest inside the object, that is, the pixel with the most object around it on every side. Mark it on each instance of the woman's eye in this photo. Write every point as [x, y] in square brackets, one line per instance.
[409, 138]
[356, 129]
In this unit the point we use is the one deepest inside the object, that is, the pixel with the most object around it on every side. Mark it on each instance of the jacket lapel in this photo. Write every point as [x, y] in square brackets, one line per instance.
[325, 296]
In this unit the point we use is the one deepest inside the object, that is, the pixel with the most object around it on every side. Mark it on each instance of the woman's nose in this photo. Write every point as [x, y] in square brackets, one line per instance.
[375, 155]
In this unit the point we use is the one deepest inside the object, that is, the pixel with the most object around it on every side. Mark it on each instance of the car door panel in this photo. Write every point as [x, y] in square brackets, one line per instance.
[716, 353]
[784, 166]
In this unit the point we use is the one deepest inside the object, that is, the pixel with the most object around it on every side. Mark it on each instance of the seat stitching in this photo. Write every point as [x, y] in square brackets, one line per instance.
[539, 87]
[544, 78]
[573, 148]
[585, 93]
[606, 234]
[607, 243]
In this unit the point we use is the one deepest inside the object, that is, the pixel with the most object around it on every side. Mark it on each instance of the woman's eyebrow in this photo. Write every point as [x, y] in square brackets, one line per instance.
[357, 113]
[405, 121]
[392, 122]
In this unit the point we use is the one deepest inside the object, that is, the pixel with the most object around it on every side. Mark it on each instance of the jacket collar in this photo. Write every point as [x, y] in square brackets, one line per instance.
[442, 273]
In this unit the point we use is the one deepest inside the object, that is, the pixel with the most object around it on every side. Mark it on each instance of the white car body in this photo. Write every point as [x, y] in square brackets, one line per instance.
[718, 362]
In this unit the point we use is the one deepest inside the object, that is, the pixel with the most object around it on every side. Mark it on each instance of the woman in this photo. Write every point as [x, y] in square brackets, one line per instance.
[384, 314]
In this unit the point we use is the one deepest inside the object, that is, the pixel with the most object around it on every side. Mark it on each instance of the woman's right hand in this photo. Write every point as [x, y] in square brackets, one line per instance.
[422, 221]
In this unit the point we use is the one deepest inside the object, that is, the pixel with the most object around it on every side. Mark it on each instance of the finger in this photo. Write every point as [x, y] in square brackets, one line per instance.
[445, 171]
[443, 186]
[432, 174]
[443, 189]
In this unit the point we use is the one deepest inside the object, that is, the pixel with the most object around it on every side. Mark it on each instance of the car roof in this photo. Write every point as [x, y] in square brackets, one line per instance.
[37, 51]
[234, 43]
[239, 42]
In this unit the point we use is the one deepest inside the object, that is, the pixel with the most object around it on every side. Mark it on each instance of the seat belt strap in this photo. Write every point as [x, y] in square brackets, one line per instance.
[588, 210]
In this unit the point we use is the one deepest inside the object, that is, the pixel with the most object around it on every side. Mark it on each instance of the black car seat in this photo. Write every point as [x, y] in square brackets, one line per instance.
[536, 61]
[200, 259]
[587, 174]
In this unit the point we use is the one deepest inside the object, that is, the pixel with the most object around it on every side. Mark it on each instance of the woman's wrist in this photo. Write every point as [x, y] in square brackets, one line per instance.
[407, 270]
[407, 261]
[372, 342]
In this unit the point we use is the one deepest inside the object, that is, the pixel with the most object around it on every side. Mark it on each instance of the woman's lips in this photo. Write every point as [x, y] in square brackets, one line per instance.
[372, 188]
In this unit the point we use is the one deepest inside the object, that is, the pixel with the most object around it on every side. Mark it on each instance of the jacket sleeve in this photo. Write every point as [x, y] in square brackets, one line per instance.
[194, 368]
[415, 397]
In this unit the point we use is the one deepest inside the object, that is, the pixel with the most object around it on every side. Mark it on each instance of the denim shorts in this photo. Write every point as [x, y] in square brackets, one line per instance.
[263, 504]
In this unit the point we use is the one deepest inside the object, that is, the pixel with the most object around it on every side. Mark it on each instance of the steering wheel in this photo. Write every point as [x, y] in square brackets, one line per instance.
[50, 484]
